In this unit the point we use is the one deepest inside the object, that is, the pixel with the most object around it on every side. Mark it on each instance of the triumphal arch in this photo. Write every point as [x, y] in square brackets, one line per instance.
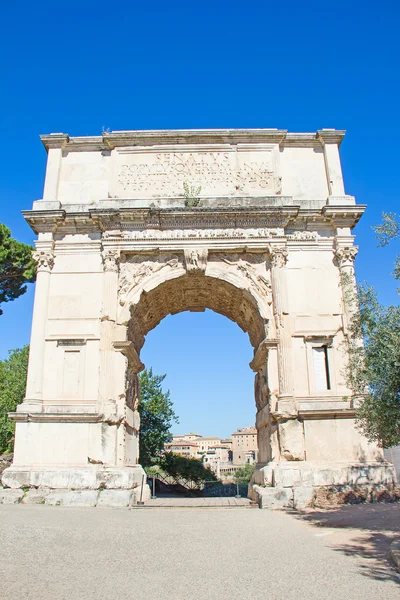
[136, 225]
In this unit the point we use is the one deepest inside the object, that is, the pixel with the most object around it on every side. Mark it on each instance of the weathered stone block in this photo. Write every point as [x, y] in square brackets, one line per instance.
[271, 497]
[115, 498]
[123, 479]
[302, 496]
[72, 498]
[291, 436]
[9, 496]
[34, 496]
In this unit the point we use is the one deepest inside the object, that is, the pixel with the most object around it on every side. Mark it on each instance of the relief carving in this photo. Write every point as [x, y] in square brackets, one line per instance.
[345, 256]
[278, 256]
[247, 265]
[44, 260]
[136, 268]
[184, 234]
[196, 260]
[300, 236]
[110, 260]
[261, 390]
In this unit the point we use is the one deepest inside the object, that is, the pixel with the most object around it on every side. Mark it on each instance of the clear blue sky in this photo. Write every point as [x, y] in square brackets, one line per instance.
[79, 66]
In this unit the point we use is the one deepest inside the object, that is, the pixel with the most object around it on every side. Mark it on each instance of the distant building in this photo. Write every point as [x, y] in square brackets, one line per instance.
[244, 446]
[221, 455]
[187, 436]
[184, 448]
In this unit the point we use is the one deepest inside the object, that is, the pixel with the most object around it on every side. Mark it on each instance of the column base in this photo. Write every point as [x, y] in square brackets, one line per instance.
[93, 477]
[293, 483]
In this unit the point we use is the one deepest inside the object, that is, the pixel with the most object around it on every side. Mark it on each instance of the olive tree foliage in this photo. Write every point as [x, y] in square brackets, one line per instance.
[244, 474]
[388, 231]
[13, 372]
[17, 267]
[156, 416]
[373, 370]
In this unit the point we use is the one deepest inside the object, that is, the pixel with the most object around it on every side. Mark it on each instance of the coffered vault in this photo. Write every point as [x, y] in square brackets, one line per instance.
[136, 225]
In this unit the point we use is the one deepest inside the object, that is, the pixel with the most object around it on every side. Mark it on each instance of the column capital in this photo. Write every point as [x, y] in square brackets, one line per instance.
[111, 260]
[44, 260]
[345, 255]
[278, 255]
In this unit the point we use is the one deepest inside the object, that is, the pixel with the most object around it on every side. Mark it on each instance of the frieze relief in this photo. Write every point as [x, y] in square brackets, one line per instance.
[303, 236]
[184, 234]
[135, 269]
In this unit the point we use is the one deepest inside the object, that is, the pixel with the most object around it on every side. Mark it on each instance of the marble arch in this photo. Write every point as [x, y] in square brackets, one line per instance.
[134, 225]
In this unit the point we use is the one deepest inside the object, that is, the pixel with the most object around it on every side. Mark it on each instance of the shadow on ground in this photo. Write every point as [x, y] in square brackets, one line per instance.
[363, 532]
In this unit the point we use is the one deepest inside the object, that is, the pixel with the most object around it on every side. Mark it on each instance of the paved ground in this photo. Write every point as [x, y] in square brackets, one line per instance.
[59, 553]
[197, 502]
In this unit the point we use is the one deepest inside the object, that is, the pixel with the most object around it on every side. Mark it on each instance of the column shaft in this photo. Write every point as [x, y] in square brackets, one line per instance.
[34, 384]
[280, 302]
[109, 313]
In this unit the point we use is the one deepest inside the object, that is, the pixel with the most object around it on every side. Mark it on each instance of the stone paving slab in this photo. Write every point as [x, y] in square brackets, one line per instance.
[198, 503]
[65, 553]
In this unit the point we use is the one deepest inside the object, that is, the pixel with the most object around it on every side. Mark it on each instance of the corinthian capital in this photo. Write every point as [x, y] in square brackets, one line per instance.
[44, 260]
[110, 260]
[278, 256]
[345, 256]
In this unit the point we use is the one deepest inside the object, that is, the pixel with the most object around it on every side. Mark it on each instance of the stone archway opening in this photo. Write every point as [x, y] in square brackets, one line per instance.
[196, 293]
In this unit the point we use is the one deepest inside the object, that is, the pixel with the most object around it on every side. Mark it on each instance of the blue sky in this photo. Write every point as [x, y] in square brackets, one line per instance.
[77, 67]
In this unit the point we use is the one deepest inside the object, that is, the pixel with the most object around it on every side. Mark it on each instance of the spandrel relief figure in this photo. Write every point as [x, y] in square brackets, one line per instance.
[196, 260]
[261, 390]
[247, 264]
[137, 268]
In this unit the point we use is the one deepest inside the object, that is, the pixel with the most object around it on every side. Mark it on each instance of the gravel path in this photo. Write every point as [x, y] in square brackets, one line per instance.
[62, 553]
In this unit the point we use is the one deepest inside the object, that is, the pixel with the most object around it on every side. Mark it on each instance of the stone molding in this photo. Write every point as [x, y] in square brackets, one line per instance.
[127, 349]
[120, 224]
[327, 413]
[41, 417]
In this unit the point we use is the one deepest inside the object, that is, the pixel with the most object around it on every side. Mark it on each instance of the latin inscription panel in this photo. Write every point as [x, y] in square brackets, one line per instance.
[211, 172]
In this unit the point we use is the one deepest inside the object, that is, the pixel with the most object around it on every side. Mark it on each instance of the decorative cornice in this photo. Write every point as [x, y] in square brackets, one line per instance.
[121, 218]
[344, 216]
[120, 139]
[44, 221]
[55, 140]
[331, 136]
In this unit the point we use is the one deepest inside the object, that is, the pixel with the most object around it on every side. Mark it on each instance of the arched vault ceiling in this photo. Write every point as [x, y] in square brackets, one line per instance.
[195, 293]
